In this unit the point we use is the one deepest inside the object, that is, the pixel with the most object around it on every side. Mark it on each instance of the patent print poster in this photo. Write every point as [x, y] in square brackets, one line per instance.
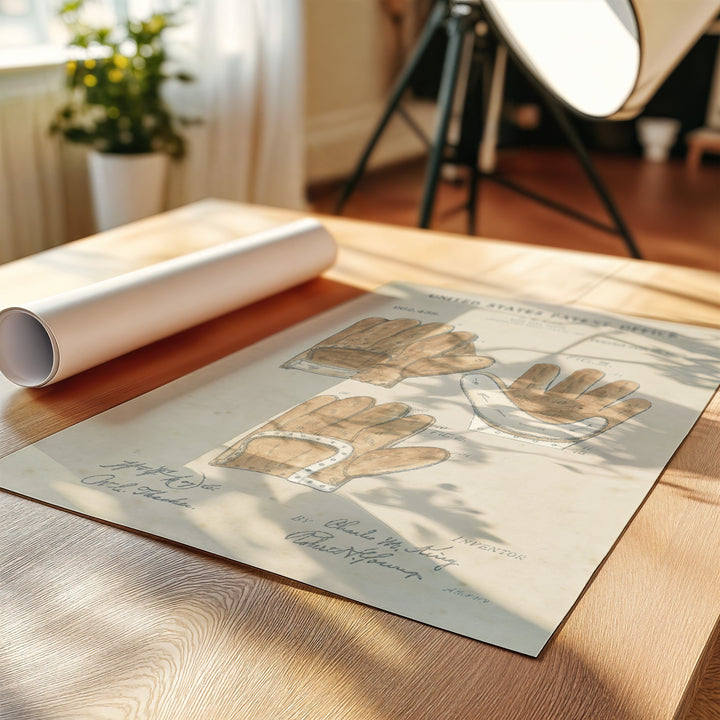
[462, 461]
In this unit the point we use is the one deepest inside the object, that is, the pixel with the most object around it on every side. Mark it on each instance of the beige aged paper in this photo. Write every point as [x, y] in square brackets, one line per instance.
[459, 460]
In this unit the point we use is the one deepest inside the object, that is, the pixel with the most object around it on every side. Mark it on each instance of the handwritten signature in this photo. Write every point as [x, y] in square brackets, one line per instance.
[171, 478]
[108, 481]
[383, 551]
[430, 551]
[319, 540]
[120, 479]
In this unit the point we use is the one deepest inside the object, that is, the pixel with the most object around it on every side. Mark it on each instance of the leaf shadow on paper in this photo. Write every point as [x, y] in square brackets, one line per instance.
[430, 505]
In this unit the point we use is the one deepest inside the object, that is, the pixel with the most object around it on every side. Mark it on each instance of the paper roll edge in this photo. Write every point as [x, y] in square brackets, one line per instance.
[29, 354]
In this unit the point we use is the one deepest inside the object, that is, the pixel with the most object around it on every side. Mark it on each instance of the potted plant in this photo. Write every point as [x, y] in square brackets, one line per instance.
[115, 106]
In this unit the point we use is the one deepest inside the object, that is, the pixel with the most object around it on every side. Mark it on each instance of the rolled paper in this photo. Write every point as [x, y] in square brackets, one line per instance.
[53, 338]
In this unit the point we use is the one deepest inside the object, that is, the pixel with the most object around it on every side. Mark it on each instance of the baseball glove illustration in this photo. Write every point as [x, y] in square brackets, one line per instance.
[573, 410]
[385, 352]
[324, 442]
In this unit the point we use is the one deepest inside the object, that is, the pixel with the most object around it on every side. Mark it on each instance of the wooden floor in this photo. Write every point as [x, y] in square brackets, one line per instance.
[673, 213]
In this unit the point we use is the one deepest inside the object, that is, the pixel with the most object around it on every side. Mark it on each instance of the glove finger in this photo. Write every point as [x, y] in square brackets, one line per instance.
[625, 410]
[379, 332]
[349, 428]
[384, 374]
[297, 416]
[390, 460]
[577, 383]
[294, 414]
[462, 338]
[536, 379]
[391, 371]
[396, 343]
[346, 337]
[321, 420]
[613, 391]
[432, 346]
[390, 433]
[465, 348]
[351, 358]
[447, 364]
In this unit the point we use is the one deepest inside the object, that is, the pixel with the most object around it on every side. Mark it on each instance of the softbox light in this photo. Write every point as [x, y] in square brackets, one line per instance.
[602, 58]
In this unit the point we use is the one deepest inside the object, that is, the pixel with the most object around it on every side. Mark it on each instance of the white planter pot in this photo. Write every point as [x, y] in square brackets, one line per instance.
[657, 136]
[126, 187]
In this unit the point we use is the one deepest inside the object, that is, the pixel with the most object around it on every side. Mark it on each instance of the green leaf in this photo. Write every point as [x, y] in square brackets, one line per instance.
[117, 105]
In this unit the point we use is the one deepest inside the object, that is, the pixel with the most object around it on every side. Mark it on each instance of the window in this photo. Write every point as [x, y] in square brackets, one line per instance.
[31, 33]
[23, 23]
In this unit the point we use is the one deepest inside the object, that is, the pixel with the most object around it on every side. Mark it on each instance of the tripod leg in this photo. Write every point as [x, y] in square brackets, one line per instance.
[463, 86]
[482, 128]
[456, 28]
[434, 21]
[473, 192]
[493, 110]
[592, 174]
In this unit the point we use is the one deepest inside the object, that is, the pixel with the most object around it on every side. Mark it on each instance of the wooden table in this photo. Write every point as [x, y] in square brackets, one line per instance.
[98, 622]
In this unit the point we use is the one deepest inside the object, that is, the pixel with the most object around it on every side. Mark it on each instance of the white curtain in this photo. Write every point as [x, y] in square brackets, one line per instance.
[249, 63]
[32, 203]
[248, 60]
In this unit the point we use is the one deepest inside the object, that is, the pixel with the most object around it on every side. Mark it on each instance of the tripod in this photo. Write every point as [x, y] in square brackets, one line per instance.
[460, 18]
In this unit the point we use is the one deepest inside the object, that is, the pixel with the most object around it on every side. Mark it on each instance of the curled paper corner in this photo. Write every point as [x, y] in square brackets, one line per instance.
[50, 339]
